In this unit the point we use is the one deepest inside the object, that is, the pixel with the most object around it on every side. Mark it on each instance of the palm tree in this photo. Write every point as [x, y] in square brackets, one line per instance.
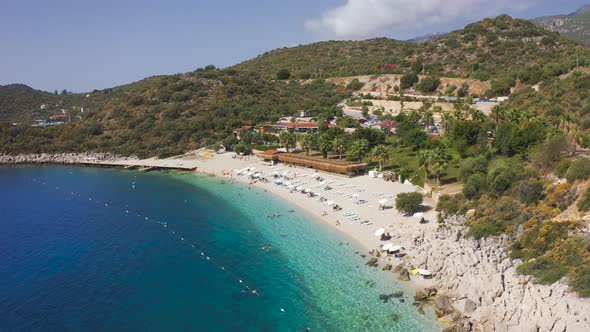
[306, 142]
[565, 121]
[575, 135]
[446, 119]
[439, 163]
[358, 150]
[339, 145]
[428, 119]
[513, 116]
[380, 154]
[325, 145]
[497, 112]
[426, 157]
[286, 139]
[477, 115]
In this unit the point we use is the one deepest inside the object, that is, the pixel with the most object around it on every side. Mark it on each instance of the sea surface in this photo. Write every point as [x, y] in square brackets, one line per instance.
[87, 249]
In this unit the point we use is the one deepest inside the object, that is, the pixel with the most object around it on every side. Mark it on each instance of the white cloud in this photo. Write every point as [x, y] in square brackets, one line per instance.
[366, 18]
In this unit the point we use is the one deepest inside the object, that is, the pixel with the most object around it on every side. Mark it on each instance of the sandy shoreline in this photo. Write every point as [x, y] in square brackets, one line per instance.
[479, 276]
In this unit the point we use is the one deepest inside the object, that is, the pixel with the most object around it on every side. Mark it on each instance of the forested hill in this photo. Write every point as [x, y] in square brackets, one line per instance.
[18, 100]
[486, 49]
[171, 114]
[575, 25]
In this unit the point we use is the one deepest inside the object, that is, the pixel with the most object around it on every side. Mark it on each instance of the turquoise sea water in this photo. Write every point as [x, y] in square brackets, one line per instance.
[78, 254]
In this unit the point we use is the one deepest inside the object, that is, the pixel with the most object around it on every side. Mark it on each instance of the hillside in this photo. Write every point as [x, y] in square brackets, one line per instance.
[22, 104]
[171, 114]
[487, 49]
[18, 102]
[575, 25]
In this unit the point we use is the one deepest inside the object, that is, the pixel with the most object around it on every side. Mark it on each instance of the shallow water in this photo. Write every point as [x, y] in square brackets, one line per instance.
[75, 255]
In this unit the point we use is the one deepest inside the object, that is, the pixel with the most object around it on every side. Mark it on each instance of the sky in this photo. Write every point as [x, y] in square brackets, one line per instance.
[82, 45]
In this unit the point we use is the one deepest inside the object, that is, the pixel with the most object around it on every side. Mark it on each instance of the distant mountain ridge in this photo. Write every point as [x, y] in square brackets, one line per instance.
[427, 38]
[575, 25]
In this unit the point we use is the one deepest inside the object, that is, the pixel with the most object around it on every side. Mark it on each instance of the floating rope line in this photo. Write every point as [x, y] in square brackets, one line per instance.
[201, 253]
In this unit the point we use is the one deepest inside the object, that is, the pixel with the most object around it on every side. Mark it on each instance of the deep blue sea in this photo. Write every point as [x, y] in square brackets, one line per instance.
[85, 249]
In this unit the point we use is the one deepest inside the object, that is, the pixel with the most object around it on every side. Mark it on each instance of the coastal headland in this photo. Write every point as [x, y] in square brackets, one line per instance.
[476, 281]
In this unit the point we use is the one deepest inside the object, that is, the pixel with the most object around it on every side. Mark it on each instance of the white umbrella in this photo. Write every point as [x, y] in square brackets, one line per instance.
[394, 248]
[298, 188]
[424, 272]
[329, 203]
[288, 183]
[383, 201]
[290, 186]
[387, 246]
[318, 194]
[314, 175]
[379, 232]
[355, 195]
[418, 215]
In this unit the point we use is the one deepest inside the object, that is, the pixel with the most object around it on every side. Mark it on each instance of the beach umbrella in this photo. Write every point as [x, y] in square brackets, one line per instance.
[290, 186]
[288, 183]
[394, 248]
[318, 194]
[383, 201]
[387, 246]
[379, 232]
[298, 188]
[314, 175]
[424, 272]
[418, 215]
[329, 203]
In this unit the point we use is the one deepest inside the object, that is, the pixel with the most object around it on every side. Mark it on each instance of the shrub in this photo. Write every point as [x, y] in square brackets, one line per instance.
[283, 74]
[545, 270]
[486, 229]
[408, 202]
[529, 192]
[355, 84]
[580, 280]
[428, 84]
[408, 80]
[562, 167]
[450, 204]
[462, 92]
[474, 186]
[472, 166]
[242, 148]
[579, 170]
[584, 203]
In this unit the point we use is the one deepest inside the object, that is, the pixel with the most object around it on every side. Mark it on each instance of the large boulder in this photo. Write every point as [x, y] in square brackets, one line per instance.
[443, 305]
[373, 262]
[425, 294]
[462, 325]
[404, 275]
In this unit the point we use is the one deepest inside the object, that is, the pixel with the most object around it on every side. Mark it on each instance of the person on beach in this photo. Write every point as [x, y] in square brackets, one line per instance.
[337, 223]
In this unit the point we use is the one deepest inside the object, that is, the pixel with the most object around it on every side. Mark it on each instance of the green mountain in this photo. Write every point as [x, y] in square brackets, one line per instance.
[575, 25]
[170, 114]
[487, 49]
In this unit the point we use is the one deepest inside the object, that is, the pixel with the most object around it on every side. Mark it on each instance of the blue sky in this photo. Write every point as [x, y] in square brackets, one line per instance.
[84, 45]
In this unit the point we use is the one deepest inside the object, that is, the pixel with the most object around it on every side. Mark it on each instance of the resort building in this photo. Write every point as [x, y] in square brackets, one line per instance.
[298, 127]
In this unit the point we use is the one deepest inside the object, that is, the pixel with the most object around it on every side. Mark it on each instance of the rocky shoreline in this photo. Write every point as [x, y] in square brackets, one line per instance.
[479, 281]
[62, 158]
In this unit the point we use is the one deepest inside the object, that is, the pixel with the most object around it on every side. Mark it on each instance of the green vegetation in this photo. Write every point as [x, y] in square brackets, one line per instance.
[409, 202]
[497, 47]
[575, 25]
